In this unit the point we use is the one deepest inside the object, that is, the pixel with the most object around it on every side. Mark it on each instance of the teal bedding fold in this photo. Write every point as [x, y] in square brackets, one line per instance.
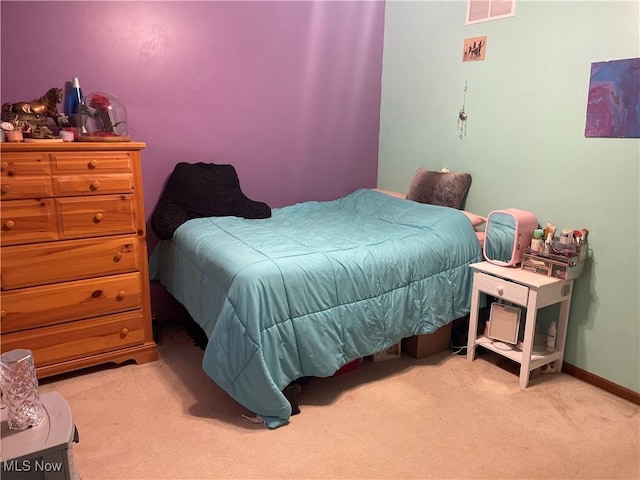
[315, 286]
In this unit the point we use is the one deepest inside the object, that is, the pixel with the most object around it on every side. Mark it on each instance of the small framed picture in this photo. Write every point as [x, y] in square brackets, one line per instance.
[474, 49]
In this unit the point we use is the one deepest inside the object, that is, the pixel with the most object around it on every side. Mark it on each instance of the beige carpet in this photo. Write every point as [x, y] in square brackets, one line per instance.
[440, 417]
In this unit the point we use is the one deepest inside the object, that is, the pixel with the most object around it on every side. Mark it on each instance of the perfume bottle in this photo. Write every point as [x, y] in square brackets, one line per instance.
[551, 337]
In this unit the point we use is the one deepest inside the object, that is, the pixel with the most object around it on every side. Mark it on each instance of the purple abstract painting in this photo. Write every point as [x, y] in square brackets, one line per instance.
[614, 99]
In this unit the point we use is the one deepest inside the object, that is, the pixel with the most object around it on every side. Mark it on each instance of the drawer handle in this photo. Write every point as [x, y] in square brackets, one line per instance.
[121, 294]
[5, 165]
[124, 332]
[5, 189]
[9, 224]
[93, 163]
[95, 185]
[117, 257]
[3, 313]
[500, 290]
[98, 217]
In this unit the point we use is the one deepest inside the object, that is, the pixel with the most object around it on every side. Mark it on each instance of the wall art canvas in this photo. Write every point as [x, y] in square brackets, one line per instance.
[613, 109]
[474, 49]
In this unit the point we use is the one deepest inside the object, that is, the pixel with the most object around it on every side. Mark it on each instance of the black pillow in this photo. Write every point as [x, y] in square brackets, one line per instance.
[196, 190]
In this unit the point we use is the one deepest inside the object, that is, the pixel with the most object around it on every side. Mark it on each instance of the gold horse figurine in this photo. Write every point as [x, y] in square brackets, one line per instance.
[45, 106]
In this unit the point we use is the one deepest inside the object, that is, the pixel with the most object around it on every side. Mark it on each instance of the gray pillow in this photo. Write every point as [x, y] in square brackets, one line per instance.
[438, 188]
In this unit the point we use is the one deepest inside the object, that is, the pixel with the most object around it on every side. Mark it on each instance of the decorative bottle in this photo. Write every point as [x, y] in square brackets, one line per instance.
[537, 242]
[551, 337]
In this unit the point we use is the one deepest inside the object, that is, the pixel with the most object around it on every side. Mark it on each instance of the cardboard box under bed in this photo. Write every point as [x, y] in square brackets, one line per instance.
[420, 346]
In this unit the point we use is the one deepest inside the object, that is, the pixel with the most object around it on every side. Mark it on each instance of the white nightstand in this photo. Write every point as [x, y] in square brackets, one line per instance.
[530, 290]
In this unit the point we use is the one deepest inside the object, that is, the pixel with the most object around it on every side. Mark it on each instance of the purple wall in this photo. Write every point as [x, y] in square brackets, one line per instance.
[287, 92]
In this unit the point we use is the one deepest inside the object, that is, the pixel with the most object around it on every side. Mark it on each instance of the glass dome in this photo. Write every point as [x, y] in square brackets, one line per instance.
[102, 116]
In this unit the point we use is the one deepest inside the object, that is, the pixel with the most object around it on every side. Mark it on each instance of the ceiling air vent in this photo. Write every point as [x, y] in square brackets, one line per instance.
[485, 10]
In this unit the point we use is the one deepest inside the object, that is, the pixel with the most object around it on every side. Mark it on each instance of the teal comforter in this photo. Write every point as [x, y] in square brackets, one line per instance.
[315, 286]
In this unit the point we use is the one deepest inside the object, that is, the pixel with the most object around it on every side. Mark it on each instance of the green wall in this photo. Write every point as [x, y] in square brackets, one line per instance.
[525, 145]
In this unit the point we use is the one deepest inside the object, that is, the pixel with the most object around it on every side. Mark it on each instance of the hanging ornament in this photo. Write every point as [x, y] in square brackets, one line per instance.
[462, 115]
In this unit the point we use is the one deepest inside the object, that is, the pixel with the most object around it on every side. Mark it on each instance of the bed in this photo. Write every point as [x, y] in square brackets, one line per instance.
[315, 286]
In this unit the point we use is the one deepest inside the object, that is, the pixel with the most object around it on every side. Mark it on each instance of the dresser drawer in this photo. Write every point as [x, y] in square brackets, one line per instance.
[17, 165]
[100, 215]
[92, 162]
[503, 289]
[62, 302]
[82, 338]
[28, 221]
[30, 265]
[26, 187]
[93, 184]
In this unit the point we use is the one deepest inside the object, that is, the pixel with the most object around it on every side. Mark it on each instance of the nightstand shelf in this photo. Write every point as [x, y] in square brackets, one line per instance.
[537, 360]
[527, 289]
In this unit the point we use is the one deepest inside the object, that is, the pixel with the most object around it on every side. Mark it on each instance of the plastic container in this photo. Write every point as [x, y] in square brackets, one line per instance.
[537, 242]
[564, 249]
[566, 237]
[14, 136]
[551, 337]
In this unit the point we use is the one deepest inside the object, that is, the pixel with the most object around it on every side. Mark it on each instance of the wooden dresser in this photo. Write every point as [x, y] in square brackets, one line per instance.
[75, 283]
